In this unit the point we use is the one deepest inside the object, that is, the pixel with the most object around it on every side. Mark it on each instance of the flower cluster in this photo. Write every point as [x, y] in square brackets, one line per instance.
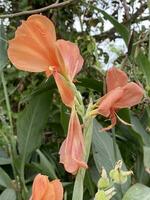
[36, 49]
[120, 94]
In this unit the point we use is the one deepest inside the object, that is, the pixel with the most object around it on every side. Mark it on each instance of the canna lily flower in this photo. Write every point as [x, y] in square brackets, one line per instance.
[35, 49]
[43, 189]
[72, 149]
[120, 94]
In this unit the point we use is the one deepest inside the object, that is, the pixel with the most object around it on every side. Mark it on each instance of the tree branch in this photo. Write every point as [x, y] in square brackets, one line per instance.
[40, 10]
[126, 10]
[111, 33]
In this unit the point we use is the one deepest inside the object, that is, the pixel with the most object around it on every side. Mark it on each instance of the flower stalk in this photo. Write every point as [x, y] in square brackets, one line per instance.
[87, 132]
[10, 140]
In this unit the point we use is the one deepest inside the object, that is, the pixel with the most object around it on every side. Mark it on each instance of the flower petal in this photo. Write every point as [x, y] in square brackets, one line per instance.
[71, 56]
[72, 149]
[49, 193]
[40, 185]
[42, 189]
[27, 55]
[132, 95]
[58, 188]
[65, 90]
[115, 78]
[34, 46]
[113, 122]
[108, 101]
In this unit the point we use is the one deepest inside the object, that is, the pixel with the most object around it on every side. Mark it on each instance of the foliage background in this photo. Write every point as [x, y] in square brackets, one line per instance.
[107, 32]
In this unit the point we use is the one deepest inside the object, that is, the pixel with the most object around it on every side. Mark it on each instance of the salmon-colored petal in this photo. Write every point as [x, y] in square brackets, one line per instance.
[58, 188]
[65, 90]
[132, 95]
[115, 78]
[113, 122]
[27, 55]
[72, 149]
[34, 46]
[40, 185]
[71, 56]
[42, 189]
[45, 24]
[41, 24]
[108, 101]
[49, 193]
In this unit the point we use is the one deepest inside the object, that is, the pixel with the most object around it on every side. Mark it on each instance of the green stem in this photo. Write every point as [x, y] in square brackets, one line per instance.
[10, 140]
[22, 177]
[7, 101]
[149, 32]
[114, 143]
[78, 186]
[115, 152]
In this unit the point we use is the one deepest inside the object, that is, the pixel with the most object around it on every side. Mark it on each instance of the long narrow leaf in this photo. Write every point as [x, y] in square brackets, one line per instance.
[5, 180]
[31, 122]
[104, 155]
[144, 66]
[8, 194]
[120, 28]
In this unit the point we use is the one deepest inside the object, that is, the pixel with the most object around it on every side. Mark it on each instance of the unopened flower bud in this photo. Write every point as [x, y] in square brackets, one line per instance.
[105, 195]
[103, 181]
[100, 195]
[119, 176]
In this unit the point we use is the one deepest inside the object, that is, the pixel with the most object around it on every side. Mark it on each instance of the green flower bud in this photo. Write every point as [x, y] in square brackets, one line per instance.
[103, 181]
[119, 176]
[105, 195]
[100, 195]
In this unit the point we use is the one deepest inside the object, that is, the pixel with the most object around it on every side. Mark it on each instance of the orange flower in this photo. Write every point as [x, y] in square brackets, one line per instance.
[42, 189]
[72, 149]
[121, 94]
[35, 49]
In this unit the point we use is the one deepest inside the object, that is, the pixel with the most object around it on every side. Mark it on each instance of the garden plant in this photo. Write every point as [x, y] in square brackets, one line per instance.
[74, 106]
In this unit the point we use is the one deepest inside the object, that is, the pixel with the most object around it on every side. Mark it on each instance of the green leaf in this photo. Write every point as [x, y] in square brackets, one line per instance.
[89, 183]
[137, 192]
[132, 144]
[121, 29]
[103, 150]
[5, 180]
[103, 153]
[146, 157]
[90, 83]
[124, 114]
[3, 46]
[144, 66]
[46, 86]
[8, 194]
[46, 166]
[137, 127]
[31, 122]
[4, 161]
